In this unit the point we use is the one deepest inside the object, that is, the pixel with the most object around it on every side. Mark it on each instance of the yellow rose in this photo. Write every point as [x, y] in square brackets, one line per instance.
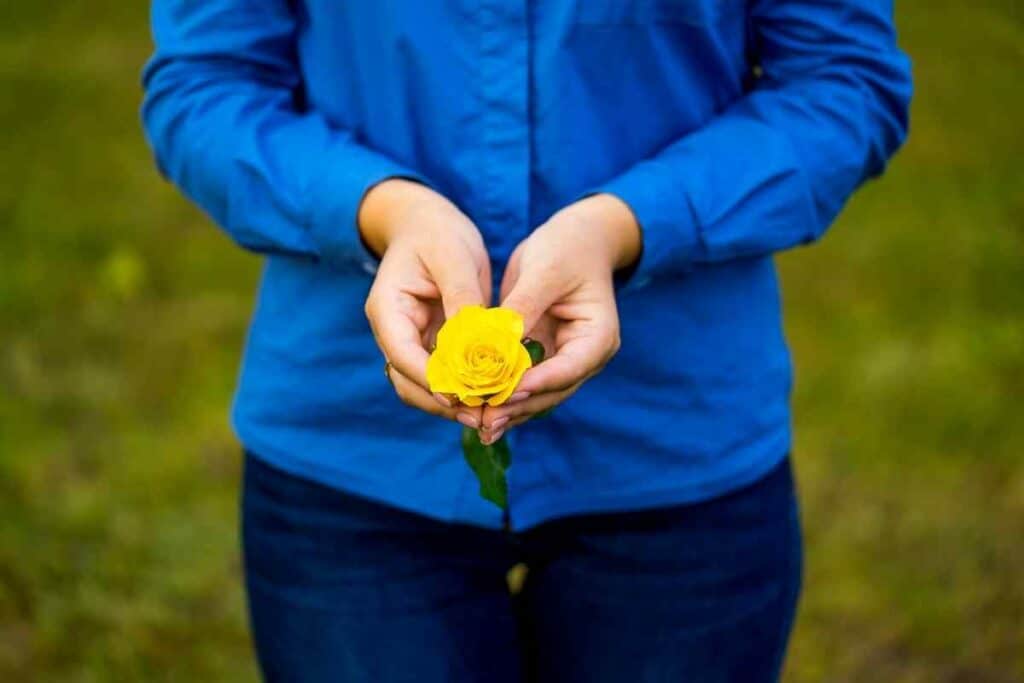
[479, 356]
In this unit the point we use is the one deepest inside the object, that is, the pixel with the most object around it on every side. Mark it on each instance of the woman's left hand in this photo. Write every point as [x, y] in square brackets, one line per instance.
[560, 280]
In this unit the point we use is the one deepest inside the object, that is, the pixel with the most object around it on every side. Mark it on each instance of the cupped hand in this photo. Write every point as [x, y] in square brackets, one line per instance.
[560, 280]
[433, 262]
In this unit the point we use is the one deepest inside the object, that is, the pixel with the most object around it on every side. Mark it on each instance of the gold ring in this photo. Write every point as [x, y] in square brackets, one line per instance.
[387, 373]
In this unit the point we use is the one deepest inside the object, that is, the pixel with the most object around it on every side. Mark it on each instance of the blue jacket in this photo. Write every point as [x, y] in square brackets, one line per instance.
[733, 129]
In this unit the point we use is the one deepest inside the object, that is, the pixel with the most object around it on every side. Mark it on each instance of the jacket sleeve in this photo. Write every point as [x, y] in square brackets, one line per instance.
[223, 116]
[773, 170]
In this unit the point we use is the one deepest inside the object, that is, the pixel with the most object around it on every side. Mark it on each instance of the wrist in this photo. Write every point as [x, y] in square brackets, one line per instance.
[384, 210]
[617, 225]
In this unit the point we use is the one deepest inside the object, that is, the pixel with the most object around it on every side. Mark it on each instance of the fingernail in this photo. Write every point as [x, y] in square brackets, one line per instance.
[518, 396]
[495, 435]
[442, 400]
[468, 420]
[498, 424]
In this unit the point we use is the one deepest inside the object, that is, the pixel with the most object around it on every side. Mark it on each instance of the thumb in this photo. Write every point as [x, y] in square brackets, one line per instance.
[530, 298]
[462, 283]
[511, 274]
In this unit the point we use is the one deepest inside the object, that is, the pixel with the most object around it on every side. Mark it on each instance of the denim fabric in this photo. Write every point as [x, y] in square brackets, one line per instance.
[345, 589]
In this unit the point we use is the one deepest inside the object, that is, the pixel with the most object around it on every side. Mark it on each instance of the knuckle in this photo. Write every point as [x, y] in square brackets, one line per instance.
[616, 343]
[370, 307]
[540, 410]
[548, 271]
[403, 394]
[460, 291]
[612, 342]
[527, 305]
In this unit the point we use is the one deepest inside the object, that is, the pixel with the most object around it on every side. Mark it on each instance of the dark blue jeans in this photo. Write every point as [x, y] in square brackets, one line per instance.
[344, 589]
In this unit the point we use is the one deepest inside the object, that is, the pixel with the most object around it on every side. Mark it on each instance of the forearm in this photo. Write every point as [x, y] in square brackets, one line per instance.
[773, 170]
[611, 227]
[221, 116]
[386, 207]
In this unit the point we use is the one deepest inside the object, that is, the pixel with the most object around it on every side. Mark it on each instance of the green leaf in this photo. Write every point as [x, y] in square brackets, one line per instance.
[535, 349]
[489, 463]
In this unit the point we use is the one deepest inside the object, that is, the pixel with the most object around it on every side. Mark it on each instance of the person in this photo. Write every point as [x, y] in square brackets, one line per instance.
[620, 172]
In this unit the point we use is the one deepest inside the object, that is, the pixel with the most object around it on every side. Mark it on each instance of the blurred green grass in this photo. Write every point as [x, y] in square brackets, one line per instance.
[122, 312]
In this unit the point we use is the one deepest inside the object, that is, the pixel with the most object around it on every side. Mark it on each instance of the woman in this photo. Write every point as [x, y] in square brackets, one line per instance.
[610, 169]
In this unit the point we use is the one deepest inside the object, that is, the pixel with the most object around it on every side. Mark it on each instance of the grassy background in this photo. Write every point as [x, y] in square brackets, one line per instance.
[122, 313]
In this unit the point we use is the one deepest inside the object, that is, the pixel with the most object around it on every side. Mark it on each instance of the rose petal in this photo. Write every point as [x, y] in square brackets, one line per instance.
[508, 320]
[523, 363]
[478, 354]
[439, 377]
[470, 400]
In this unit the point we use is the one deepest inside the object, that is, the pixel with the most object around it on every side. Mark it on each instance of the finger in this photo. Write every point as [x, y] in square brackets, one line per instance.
[412, 394]
[488, 437]
[484, 276]
[510, 414]
[460, 279]
[511, 274]
[530, 298]
[399, 339]
[514, 422]
[576, 360]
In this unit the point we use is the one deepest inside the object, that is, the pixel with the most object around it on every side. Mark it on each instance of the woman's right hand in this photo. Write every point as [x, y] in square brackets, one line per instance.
[433, 262]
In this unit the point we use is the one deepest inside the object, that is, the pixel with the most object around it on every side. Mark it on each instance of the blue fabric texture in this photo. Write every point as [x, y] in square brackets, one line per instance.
[732, 128]
[346, 589]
